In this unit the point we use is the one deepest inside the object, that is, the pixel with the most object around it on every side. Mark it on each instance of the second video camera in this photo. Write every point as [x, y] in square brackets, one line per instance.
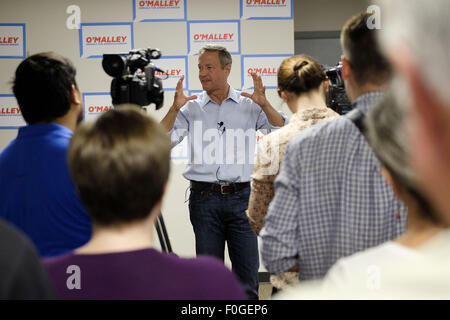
[134, 77]
[337, 97]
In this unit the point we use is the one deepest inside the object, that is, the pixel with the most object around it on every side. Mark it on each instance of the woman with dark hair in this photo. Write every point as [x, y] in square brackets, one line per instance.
[302, 84]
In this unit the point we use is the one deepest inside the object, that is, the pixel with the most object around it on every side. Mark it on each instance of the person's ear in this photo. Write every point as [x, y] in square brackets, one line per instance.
[283, 95]
[326, 85]
[75, 96]
[228, 68]
[346, 70]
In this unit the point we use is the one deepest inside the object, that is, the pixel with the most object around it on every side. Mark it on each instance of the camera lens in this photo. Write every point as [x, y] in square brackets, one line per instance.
[113, 64]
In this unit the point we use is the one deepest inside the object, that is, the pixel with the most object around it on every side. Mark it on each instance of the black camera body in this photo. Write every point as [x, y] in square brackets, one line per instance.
[337, 97]
[134, 78]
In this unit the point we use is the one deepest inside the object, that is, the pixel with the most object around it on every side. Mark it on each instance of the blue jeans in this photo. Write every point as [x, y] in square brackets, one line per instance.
[217, 218]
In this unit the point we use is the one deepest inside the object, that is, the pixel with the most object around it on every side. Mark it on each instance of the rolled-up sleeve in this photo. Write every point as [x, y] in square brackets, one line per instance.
[180, 128]
[280, 238]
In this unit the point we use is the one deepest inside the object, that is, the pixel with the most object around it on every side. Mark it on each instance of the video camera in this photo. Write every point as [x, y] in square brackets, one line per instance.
[336, 97]
[134, 77]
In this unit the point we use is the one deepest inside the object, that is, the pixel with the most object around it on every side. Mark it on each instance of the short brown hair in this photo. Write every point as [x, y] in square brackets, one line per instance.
[361, 49]
[224, 55]
[120, 164]
[299, 74]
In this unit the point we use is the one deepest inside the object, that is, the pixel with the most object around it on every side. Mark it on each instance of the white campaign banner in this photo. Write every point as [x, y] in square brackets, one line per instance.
[266, 66]
[266, 9]
[96, 103]
[99, 38]
[12, 40]
[157, 10]
[10, 115]
[224, 33]
[174, 67]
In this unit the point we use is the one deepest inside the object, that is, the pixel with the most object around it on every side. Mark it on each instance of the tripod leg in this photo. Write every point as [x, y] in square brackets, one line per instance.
[162, 235]
[165, 235]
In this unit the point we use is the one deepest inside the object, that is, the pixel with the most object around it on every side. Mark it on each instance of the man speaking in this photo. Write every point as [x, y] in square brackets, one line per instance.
[221, 125]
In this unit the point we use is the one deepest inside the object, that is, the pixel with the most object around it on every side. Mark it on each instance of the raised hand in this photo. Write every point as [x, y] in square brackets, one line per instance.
[259, 91]
[180, 98]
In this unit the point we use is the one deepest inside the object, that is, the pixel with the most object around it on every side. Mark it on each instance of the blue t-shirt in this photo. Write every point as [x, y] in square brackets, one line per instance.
[37, 192]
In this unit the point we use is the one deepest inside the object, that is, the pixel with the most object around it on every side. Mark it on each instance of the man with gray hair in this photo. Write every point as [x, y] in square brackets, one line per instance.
[415, 36]
[416, 39]
[219, 171]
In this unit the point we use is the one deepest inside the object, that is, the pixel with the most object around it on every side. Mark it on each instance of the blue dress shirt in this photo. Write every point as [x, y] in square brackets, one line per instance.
[221, 138]
[330, 200]
[37, 192]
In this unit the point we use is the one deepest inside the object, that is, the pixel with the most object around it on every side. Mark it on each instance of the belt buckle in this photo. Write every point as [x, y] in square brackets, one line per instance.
[221, 189]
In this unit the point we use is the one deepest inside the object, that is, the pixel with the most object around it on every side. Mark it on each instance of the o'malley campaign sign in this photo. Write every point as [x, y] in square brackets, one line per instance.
[12, 40]
[266, 9]
[172, 67]
[265, 66]
[10, 115]
[96, 103]
[97, 39]
[159, 10]
[225, 33]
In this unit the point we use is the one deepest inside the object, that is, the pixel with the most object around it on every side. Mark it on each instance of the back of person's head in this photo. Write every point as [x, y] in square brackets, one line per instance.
[388, 138]
[224, 55]
[120, 165]
[360, 48]
[43, 87]
[424, 30]
[300, 74]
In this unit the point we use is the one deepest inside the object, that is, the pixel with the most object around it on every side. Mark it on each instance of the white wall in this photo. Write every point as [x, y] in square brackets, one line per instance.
[325, 15]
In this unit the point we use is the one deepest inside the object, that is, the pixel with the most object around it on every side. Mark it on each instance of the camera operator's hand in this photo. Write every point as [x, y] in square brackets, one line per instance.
[180, 98]
[259, 92]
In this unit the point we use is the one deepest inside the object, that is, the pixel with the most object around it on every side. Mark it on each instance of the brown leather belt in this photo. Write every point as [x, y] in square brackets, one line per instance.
[219, 188]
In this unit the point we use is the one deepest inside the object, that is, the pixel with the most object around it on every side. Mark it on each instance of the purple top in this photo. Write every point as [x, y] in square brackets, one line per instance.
[142, 274]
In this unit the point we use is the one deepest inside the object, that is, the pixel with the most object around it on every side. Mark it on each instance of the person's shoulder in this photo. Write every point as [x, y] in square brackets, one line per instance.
[202, 266]
[244, 101]
[8, 149]
[334, 129]
[13, 237]
[373, 255]
[210, 273]
[198, 265]
[201, 96]
[56, 261]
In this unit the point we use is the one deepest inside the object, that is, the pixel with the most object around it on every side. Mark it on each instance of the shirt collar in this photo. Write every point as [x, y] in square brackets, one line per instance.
[368, 100]
[43, 129]
[232, 94]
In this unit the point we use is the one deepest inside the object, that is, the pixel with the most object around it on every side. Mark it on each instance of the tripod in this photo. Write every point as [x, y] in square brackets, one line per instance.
[162, 235]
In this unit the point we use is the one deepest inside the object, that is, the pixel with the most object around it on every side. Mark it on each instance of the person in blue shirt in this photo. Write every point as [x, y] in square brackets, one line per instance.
[38, 195]
[221, 125]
